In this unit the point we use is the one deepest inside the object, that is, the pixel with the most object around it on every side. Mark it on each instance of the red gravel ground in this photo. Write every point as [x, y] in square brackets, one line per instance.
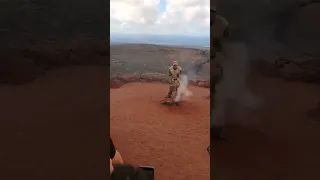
[277, 140]
[53, 127]
[171, 139]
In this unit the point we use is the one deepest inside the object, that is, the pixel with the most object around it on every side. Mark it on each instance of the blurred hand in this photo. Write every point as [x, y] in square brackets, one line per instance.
[117, 159]
[111, 167]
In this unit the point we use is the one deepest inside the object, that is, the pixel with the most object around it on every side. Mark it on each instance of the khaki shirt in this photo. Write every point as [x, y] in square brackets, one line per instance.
[216, 33]
[174, 73]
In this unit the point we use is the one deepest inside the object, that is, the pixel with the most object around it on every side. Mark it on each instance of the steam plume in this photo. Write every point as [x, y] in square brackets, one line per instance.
[233, 87]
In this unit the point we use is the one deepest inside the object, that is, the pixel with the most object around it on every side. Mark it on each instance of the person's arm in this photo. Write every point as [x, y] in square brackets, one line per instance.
[170, 76]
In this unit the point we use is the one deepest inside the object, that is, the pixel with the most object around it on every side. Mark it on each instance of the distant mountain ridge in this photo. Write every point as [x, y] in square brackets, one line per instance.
[170, 40]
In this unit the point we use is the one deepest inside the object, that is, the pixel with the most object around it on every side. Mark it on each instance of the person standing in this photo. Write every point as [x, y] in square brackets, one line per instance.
[174, 75]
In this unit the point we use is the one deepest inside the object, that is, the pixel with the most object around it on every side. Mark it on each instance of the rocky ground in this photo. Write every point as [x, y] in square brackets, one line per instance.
[144, 58]
[147, 63]
[304, 70]
[20, 65]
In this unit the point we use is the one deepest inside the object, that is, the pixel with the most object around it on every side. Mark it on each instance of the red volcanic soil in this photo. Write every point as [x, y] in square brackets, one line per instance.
[55, 126]
[278, 140]
[171, 139]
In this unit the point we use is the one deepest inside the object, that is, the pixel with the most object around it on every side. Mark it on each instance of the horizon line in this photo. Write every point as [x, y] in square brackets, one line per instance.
[133, 34]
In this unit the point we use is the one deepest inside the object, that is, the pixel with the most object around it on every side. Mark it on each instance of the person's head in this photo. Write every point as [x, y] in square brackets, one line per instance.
[212, 14]
[175, 65]
[128, 172]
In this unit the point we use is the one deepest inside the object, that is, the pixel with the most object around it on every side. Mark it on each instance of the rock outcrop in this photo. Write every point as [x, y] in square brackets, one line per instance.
[305, 70]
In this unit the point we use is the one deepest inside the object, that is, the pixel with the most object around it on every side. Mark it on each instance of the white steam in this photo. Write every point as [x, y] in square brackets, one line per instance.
[233, 87]
[183, 92]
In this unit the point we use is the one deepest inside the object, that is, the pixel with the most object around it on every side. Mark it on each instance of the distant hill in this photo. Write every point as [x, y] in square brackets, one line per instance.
[169, 40]
[146, 58]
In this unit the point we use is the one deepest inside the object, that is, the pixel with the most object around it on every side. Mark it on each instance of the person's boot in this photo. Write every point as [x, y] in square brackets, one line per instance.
[177, 103]
[169, 95]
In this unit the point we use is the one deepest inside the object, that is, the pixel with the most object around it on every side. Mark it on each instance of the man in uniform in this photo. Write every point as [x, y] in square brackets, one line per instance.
[174, 74]
[218, 33]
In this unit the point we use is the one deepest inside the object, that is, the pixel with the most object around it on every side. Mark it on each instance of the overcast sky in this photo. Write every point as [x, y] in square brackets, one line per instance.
[176, 17]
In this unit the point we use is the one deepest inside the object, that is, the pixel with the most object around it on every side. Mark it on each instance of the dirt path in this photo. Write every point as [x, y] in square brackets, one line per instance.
[171, 139]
